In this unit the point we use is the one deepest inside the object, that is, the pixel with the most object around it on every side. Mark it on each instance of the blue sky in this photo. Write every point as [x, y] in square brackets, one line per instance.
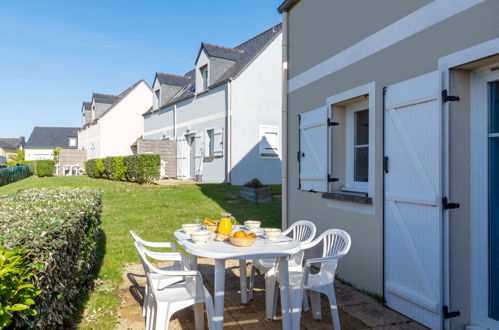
[54, 54]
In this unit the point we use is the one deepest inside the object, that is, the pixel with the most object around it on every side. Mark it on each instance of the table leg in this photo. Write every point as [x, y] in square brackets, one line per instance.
[219, 293]
[243, 281]
[193, 260]
[284, 285]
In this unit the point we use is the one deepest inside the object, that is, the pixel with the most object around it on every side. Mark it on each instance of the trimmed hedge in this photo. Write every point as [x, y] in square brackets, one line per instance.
[57, 231]
[44, 168]
[11, 174]
[135, 168]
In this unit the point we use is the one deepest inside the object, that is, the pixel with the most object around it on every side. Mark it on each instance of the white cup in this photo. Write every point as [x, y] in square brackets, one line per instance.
[200, 237]
[272, 233]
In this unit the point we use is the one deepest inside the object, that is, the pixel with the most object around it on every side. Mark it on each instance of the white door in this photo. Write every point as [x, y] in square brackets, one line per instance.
[182, 158]
[413, 230]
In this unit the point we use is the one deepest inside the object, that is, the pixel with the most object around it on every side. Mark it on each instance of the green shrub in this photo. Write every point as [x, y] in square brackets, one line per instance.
[17, 293]
[44, 167]
[119, 169]
[58, 229]
[108, 165]
[14, 163]
[100, 169]
[142, 168]
[90, 168]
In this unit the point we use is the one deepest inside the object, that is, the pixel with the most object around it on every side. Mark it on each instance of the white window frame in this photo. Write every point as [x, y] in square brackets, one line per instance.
[350, 183]
[266, 129]
[204, 79]
[75, 142]
[157, 94]
[368, 89]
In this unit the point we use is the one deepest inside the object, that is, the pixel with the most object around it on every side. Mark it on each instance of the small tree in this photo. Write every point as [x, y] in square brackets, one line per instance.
[57, 150]
[18, 156]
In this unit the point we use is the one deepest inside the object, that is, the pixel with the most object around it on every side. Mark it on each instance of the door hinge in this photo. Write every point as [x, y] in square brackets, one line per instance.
[447, 205]
[330, 179]
[449, 98]
[448, 315]
[298, 156]
[332, 123]
[385, 164]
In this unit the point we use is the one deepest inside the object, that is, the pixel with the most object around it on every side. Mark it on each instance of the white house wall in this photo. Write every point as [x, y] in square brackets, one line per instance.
[257, 100]
[196, 115]
[159, 124]
[119, 128]
[89, 140]
[39, 154]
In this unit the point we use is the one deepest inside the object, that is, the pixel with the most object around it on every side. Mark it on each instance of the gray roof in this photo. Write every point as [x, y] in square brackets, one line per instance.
[51, 137]
[171, 79]
[221, 52]
[242, 56]
[104, 98]
[286, 5]
[12, 143]
[87, 105]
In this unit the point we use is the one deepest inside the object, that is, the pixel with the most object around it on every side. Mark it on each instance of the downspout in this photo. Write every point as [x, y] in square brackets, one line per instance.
[284, 120]
[229, 133]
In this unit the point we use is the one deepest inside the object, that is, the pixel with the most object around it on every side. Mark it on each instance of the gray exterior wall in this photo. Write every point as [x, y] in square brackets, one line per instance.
[159, 124]
[99, 109]
[408, 58]
[218, 66]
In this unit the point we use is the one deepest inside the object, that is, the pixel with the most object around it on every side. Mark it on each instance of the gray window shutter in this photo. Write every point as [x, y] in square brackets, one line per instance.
[313, 150]
[218, 143]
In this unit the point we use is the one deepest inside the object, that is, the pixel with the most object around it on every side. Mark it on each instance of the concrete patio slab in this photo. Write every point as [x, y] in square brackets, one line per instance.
[357, 310]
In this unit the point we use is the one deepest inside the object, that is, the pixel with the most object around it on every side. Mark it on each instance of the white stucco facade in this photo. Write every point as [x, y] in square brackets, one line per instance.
[116, 130]
[233, 114]
[39, 154]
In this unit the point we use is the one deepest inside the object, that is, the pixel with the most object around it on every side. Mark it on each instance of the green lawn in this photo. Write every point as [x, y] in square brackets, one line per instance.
[154, 212]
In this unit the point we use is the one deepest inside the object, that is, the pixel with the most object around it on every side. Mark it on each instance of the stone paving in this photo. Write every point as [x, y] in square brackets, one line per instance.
[357, 310]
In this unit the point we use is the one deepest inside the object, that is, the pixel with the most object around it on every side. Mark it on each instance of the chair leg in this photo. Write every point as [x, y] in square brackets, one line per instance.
[251, 283]
[150, 313]
[199, 316]
[274, 303]
[334, 309]
[296, 293]
[210, 312]
[315, 299]
[146, 300]
[162, 316]
[306, 307]
[270, 293]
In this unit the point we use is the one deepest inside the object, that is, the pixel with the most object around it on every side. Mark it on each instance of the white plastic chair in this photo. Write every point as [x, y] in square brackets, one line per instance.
[336, 244]
[302, 231]
[173, 295]
[179, 263]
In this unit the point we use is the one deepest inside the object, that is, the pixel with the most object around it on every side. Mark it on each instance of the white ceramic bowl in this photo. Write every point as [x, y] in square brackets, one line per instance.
[252, 224]
[189, 228]
[200, 237]
[272, 233]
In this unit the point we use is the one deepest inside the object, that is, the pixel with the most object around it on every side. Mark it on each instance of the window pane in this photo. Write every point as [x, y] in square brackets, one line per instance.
[362, 127]
[494, 107]
[361, 164]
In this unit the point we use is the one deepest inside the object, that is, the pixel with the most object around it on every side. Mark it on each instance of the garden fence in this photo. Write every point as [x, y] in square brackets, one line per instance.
[11, 174]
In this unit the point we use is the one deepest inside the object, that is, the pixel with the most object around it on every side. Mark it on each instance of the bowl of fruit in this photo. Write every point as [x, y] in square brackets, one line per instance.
[211, 225]
[242, 238]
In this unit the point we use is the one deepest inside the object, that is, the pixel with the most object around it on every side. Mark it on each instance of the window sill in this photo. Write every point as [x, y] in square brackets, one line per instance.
[349, 196]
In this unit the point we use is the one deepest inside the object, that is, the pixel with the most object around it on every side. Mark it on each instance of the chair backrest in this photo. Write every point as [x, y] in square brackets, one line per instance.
[137, 238]
[304, 232]
[335, 242]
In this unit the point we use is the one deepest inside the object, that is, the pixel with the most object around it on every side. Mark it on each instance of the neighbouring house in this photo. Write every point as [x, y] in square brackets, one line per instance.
[8, 147]
[225, 114]
[43, 141]
[112, 123]
[391, 134]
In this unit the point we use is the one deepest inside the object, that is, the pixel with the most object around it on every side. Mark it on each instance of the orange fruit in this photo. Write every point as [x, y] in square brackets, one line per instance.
[240, 234]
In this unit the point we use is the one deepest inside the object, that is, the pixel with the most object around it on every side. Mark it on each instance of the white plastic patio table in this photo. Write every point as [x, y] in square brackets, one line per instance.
[221, 251]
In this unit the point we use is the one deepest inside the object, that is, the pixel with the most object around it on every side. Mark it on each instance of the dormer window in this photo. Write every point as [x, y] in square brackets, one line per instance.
[158, 100]
[72, 142]
[204, 76]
